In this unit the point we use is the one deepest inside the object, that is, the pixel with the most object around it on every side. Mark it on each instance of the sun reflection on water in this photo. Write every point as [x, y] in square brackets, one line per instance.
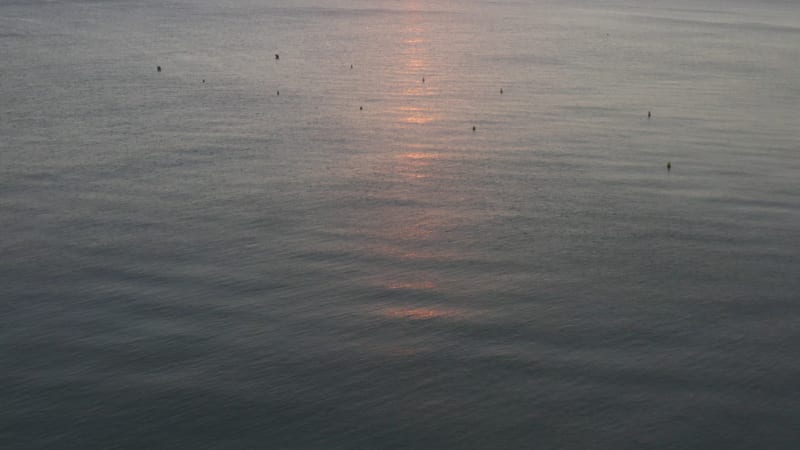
[416, 313]
[410, 235]
[416, 63]
[418, 155]
[417, 115]
[411, 285]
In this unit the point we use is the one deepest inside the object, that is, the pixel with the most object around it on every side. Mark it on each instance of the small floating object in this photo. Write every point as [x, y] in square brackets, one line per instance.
[501, 90]
[158, 68]
[669, 165]
[277, 56]
[204, 80]
[351, 66]
[360, 108]
[648, 114]
[473, 128]
[278, 93]
[423, 79]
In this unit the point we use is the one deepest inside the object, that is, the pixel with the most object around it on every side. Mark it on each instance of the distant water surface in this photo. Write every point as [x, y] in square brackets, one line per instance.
[191, 260]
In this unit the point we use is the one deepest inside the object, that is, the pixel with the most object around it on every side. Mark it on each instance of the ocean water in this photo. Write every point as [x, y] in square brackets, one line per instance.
[190, 260]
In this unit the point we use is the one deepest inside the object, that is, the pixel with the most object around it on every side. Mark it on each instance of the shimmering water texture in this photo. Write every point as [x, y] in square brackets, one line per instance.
[363, 243]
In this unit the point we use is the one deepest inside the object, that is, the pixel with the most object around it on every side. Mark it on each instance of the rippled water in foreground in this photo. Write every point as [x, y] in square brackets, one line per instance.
[191, 260]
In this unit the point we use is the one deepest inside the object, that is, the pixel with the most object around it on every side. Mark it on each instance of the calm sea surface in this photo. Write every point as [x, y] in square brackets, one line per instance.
[190, 260]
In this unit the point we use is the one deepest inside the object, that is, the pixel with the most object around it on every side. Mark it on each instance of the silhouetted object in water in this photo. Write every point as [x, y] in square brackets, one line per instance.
[360, 108]
[204, 81]
[648, 114]
[351, 66]
[423, 79]
[501, 90]
[158, 68]
[669, 166]
[473, 128]
[278, 93]
[277, 56]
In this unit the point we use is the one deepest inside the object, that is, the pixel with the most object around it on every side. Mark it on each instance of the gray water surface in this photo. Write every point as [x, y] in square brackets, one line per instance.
[348, 264]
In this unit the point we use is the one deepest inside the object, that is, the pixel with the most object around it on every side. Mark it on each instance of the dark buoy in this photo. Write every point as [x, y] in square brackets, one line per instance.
[360, 108]
[351, 66]
[501, 90]
[669, 165]
[648, 114]
[278, 93]
[473, 128]
[423, 79]
[277, 56]
[158, 68]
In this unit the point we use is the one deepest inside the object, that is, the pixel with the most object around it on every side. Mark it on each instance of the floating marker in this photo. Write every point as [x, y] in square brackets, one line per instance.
[158, 68]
